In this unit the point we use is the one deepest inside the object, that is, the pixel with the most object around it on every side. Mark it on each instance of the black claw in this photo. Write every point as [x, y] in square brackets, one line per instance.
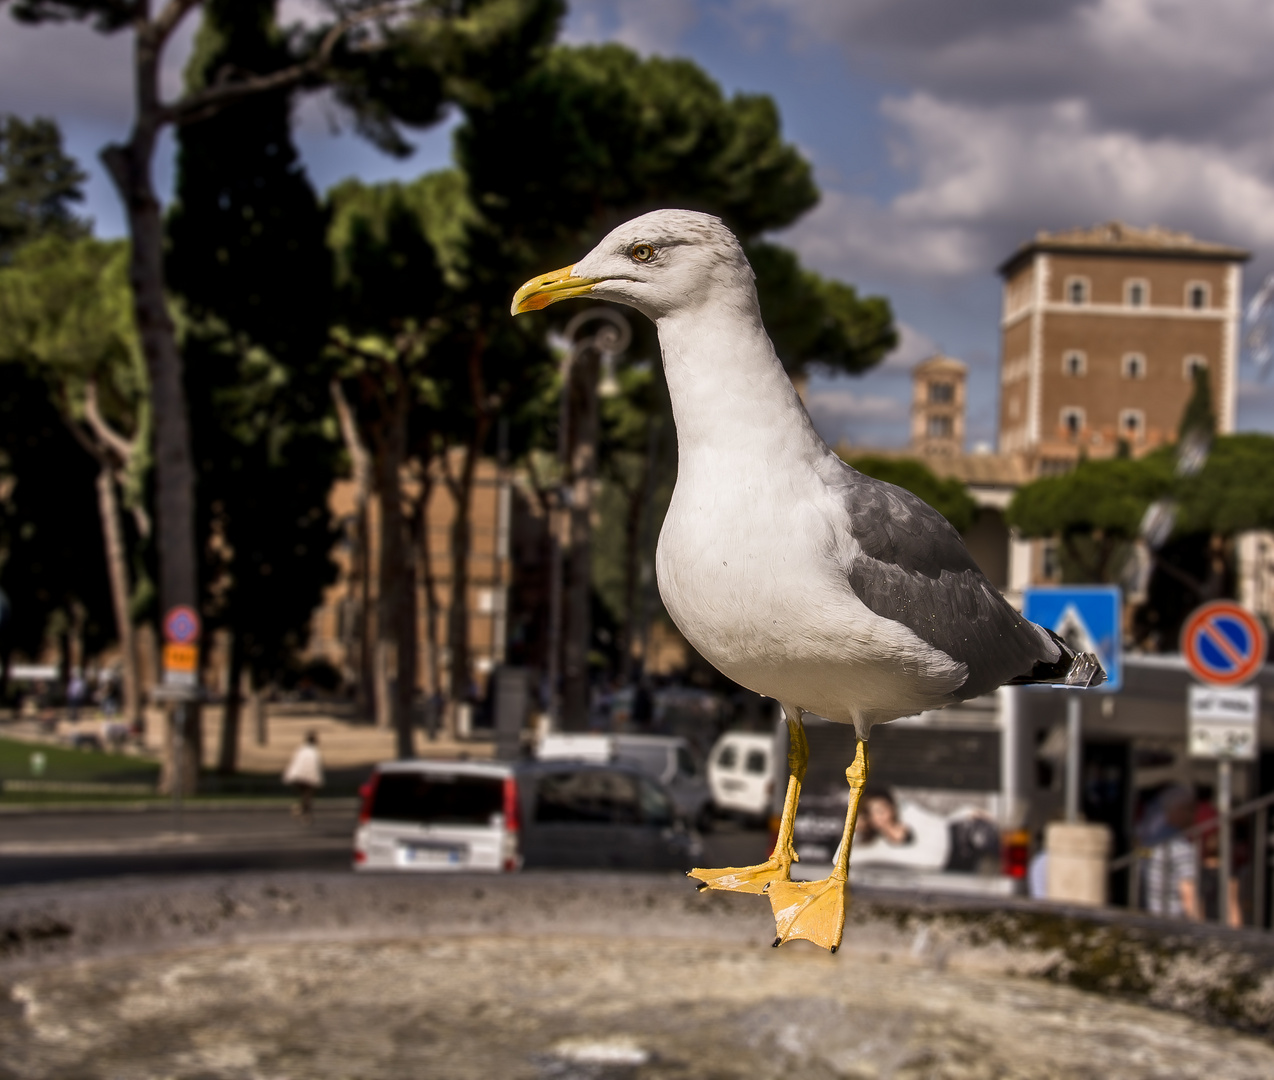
[834, 948]
[776, 943]
[766, 887]
[703, 886]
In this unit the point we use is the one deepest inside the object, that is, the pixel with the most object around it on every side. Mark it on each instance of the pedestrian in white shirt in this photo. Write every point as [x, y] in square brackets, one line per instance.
[305, 773]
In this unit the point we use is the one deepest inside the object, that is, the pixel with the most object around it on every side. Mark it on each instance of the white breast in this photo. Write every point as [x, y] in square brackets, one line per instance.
[751, 567]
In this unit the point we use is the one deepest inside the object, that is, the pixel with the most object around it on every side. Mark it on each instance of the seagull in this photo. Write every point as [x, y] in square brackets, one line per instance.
[792, 573]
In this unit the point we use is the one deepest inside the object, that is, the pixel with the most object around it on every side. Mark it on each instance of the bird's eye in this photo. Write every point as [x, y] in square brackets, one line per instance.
[642, 252]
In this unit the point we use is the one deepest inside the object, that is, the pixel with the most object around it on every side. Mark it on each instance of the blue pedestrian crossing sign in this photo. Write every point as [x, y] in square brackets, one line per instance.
[1089, 618]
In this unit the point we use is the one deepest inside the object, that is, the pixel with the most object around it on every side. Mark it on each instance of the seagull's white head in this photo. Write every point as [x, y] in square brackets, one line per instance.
[660, 263]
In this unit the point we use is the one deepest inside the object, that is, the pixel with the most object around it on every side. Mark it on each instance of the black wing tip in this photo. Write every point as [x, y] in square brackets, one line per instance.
[1086, 672]
[1080, 670]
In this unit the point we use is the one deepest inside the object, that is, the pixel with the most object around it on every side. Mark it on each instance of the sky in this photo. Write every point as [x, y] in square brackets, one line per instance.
[943, 135]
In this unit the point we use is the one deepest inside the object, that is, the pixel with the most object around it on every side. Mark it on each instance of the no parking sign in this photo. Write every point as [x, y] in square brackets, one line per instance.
[1223, 644]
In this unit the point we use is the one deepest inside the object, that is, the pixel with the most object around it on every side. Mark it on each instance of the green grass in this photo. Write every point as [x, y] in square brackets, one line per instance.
[61, 763]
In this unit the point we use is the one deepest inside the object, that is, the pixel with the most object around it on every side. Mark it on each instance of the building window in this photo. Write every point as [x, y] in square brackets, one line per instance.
[1072, 421]
[1132, 425]
[1198, 295]
[1074, 363]
[1050, 564]
[1136, 292]
[1191, 364]
[939, 427]
[941, 393]
[1133, 366]
[1077, 290]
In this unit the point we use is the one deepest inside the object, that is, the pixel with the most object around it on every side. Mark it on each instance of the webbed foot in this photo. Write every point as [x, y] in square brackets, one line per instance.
[745, 879]
[813, 910]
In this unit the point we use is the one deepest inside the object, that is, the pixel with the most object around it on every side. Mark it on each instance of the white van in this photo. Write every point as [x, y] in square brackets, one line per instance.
[741, 774]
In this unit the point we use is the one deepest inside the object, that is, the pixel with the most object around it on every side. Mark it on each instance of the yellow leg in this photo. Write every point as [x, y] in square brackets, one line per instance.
[778, 867]
[815, 910]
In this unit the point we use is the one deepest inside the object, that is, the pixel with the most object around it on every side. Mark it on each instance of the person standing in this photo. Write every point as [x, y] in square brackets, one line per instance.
[1172, 869]
[305, 773]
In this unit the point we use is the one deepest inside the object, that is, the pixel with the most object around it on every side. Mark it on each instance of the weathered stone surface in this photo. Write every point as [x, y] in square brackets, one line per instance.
[598, 976]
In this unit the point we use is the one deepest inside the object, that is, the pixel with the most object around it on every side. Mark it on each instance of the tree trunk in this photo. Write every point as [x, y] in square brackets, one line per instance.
[431, 601]
[638, 620]
[130, 169]
[228, 755]
[390, 448]
[458, 610]
[633, 520]
[121, 591]
[577, 632]
[461, 488]
[406, 648]
[363, 615]
[184, 751]
[256, 706]
[64, 659]
[360, 554]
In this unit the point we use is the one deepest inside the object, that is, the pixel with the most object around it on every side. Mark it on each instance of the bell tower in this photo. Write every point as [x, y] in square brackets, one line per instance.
[938, 406]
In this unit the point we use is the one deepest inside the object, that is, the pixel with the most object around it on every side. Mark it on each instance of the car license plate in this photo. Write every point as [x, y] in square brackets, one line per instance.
[428, 855]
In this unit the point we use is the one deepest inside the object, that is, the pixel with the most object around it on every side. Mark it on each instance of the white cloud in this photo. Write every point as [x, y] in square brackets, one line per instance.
[1047, 115]
[913, 346]
[839, 405]
[648, 26]
[986, 178]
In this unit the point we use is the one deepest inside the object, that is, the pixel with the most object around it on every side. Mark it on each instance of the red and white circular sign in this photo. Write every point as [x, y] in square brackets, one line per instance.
[1223, 644]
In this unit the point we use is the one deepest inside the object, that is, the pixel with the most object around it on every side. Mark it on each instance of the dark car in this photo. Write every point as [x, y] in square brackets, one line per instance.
[440, 816]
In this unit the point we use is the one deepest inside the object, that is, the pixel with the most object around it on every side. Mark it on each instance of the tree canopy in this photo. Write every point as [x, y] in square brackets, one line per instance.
[64, 324]
[814, 320]
[1234, 491]
[248, 258]
[597, 133]
[38, 184]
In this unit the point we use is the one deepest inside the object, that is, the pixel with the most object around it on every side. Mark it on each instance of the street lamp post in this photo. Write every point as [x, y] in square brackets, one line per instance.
[587, 371]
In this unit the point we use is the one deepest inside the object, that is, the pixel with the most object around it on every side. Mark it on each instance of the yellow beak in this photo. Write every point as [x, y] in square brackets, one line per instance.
[549, 288]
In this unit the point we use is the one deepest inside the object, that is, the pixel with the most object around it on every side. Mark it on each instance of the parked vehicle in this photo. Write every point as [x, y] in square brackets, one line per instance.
[451, 816]
[666, 758]
[741, 774]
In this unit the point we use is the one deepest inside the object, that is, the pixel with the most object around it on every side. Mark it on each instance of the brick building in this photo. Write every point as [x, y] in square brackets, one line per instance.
[1101, 331]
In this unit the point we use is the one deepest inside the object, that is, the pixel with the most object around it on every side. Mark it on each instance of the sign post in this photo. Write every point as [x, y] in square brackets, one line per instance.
[182, 630]
[1224, 646]
[1089, 619]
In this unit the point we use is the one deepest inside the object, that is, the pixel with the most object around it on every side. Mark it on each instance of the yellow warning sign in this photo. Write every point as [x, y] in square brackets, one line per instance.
[183, 658]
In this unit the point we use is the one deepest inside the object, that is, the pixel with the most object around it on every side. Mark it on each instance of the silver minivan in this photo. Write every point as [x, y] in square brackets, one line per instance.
[444, 816]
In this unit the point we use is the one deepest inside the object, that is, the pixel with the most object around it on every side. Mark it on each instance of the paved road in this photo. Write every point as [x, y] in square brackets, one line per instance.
[47, 847]
[43, 847]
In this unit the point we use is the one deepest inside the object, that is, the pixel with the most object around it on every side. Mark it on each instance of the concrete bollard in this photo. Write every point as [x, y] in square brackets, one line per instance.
[1076, 868]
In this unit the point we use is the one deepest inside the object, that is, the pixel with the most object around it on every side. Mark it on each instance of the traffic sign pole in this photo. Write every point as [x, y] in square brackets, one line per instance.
[1223, 799]
[1089, 618]
[1224, 645]
[1074, 753]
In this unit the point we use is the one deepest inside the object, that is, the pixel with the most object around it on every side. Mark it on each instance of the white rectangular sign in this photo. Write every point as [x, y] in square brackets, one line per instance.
[1224, 723]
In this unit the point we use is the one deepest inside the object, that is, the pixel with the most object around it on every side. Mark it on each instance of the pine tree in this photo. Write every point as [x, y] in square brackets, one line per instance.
[247, 254]
[38, 182]
[1199, 418]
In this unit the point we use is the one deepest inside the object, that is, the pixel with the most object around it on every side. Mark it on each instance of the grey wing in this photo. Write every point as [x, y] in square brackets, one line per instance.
[914, 568]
